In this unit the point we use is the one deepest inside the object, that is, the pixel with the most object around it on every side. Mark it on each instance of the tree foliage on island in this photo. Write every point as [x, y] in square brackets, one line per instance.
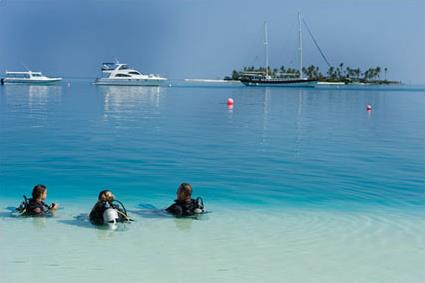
[281, 72]
[333, 74]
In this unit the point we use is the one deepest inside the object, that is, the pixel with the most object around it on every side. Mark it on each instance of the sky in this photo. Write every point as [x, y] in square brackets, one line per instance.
[208, 39]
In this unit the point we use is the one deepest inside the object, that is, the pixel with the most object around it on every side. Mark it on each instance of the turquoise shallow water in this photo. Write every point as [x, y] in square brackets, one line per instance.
[302, 185]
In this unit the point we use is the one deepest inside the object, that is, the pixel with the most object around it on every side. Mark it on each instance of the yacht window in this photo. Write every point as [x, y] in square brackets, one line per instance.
[36, 75]
[134, 73]
[123, 75]
[123, 67]
[19, 76]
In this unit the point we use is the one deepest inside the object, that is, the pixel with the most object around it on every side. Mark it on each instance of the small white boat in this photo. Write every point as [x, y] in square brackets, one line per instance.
[122, 74]
[28, 77]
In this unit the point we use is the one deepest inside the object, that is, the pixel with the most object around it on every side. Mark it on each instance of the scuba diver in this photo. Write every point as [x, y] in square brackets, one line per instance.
[184, 205]
[35, 206]
[108, 210]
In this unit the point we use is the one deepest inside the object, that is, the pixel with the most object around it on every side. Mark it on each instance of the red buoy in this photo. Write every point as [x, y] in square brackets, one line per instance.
[369, 107]
[230, 102]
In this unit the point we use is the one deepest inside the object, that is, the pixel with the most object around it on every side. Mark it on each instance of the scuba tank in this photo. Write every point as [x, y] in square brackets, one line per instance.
[110, 218]
[106, 212]
[199, 206]
[110, 215]
[22, 208]
[115, 212]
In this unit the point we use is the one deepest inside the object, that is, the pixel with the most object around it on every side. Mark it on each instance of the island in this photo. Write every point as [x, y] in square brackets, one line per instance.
[334, 75]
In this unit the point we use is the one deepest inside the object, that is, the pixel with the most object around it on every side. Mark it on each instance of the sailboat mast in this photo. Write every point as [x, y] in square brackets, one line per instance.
[300, 46]
[266, 47]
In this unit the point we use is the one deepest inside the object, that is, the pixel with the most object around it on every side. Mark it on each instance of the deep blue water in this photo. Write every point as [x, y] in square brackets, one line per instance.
[276, 148]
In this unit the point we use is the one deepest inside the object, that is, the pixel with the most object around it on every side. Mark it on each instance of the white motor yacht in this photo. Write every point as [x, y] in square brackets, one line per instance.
[122, 74]
[27, 77]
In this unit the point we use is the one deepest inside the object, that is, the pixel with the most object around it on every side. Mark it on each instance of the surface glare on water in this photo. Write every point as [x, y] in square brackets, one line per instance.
[302, 185]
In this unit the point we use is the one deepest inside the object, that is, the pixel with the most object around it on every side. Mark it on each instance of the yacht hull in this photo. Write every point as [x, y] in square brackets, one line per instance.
[30, 81]
[279, 83]
[131, 82]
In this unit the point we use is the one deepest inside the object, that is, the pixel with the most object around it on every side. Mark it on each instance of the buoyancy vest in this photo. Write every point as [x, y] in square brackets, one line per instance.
[32, 207]
[186, 208]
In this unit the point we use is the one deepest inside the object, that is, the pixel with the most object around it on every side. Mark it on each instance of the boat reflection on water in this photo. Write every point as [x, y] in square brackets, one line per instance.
[124, 100]
[35, 97]
[44, 90]
[43, 95]
[34, 91]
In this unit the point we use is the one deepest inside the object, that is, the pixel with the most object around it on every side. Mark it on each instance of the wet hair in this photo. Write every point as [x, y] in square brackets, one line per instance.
[38, 191]
[186, 190]
[106, 195]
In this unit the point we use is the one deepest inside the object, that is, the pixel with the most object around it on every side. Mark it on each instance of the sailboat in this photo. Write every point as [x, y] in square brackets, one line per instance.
[264, 79]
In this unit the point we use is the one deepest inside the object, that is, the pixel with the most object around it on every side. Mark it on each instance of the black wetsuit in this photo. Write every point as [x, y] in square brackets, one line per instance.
[184, 208]
[35, 208]
[96, 214]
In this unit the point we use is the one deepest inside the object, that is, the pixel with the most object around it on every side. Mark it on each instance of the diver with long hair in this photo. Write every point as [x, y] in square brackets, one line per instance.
[35, 206]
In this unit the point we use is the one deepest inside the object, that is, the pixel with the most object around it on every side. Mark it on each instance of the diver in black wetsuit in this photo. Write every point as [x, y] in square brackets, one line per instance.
[106, 210]
[35, 206]
[184, 205]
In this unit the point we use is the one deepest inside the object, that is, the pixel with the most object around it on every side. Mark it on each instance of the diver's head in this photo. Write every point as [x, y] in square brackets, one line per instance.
[110, 216]
[106, 196]
[184, 192]
[39, 192]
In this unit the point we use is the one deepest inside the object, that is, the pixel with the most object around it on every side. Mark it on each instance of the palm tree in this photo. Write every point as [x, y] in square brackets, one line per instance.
[341, 70]
[366, 74]
[351, 73]
[311, 71]
[306, 72]
[331, 72]
[378, 72]
[385, 70]
[357, 72]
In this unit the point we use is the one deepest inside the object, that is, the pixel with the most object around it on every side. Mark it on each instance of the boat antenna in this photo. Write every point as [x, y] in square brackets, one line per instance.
[317, 45]
[300, 45]
[266, 47]
[25, 67]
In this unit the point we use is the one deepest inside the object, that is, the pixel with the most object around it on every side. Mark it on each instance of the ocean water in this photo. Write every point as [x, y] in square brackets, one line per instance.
[301, 185]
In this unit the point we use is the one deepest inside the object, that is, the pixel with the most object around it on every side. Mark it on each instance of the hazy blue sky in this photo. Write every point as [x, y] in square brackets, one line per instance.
[201, 38]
